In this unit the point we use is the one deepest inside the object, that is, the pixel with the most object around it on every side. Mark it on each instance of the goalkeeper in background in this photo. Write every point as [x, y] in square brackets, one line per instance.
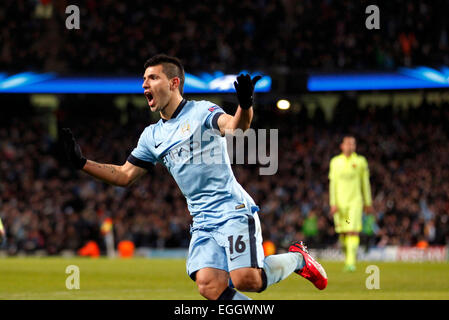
[349, 195]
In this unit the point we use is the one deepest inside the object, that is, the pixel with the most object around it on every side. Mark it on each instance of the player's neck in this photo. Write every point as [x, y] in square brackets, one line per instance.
[168, 111]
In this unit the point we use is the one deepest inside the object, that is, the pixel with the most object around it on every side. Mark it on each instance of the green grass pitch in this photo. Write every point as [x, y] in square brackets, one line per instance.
[166, 279]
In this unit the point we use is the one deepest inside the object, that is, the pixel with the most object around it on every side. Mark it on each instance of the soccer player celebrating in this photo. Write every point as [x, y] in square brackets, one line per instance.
[226, 240]
[349, 194]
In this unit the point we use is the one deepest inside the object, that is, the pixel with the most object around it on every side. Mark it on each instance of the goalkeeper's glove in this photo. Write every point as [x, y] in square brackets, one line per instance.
[244, 86]
[72, 149]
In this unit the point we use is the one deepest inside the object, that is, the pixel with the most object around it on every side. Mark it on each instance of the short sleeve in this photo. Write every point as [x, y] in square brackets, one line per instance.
[142, 156]
[365, 167]
[213, 113]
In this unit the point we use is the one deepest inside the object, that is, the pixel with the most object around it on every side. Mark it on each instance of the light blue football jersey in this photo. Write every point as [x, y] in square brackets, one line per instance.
[190, 146]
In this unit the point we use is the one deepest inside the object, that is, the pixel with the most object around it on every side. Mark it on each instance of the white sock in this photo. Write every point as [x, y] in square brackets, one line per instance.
[279, 266]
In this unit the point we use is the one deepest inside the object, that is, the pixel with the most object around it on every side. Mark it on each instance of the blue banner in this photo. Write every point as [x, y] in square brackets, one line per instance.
[30, 82]
[404, 78]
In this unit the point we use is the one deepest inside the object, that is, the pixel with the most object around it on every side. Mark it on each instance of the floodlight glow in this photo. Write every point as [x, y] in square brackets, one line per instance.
[283, 104]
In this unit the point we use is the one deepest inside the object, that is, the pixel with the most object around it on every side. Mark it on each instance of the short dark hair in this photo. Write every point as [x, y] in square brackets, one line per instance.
[349, 136]
[171, 66]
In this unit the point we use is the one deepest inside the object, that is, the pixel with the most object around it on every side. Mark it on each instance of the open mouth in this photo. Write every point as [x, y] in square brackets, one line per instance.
[149, 97]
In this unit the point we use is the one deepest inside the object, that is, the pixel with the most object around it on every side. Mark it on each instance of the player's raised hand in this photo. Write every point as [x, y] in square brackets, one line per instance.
[333, 210]
[369, 209]
[72, 149]
[244, 86]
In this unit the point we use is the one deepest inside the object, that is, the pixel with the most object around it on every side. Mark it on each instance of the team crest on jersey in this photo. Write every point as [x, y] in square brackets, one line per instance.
[354, 165]
[185, 128]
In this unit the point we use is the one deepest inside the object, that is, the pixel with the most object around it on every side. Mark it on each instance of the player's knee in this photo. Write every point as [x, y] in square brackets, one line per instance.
[210, 288]
[247, 280]
[207, 292]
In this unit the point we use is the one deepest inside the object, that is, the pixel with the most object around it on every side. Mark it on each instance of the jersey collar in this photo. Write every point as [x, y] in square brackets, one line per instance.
[177, 111]
[350, 157]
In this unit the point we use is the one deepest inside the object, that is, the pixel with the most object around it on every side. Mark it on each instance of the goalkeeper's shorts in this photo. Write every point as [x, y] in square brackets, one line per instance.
[237, 243]
[348, 219]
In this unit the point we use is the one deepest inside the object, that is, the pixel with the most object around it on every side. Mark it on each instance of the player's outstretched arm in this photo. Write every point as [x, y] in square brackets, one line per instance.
[244, 87]
[122, 176]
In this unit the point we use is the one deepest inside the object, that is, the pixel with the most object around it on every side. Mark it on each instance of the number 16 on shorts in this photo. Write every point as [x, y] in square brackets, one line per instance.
[239, 245]
[245, 243]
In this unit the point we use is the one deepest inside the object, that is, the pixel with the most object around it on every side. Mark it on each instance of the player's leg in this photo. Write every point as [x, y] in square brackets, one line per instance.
[247, 279]
[341, 224]
[342, 241]
[211, 282]
[352, 239]
[207, 266]
[241, 239]
[339, 220]
[274, 269]
[249, 269]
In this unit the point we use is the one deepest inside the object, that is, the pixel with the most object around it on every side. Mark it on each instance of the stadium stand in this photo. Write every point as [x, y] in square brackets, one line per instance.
[231, 35]
[50, 207]
[46, 206]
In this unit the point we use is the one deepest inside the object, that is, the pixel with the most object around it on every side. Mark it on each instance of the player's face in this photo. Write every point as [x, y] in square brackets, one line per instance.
[348, 145]
[156, 87]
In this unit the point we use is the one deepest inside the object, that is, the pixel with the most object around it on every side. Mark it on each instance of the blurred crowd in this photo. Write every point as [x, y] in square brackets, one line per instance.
[229, 35]
[47, 206]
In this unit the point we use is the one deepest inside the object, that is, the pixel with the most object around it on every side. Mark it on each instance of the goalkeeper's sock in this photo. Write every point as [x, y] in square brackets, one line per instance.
[232, 294]
[342, 240]
[352, 244]
[279, 266]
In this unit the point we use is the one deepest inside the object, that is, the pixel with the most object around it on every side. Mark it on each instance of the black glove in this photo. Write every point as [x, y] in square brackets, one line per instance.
[244, 86]
[72, 149]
